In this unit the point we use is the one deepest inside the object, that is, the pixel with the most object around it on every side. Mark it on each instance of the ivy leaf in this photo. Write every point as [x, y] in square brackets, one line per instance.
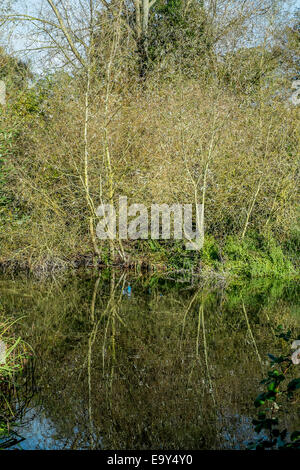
[277, 360]
[294, 385]
[272, 386]
[285, 336]
[295, 435]
[260, 400]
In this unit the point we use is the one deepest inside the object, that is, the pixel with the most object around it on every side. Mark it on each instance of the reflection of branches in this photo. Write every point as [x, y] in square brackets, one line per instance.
[201, 322]
[251, 334]
[187, 311]
[201, 309]
[95, 328]
[18, 403]
[112, 310]
[89, 359]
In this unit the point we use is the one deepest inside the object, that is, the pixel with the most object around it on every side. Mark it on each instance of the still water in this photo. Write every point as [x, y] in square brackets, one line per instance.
[123, 361]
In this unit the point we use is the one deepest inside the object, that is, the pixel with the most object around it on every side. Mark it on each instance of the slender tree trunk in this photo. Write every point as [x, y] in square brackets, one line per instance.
[143, 57]
[142, 12]
[86, 166]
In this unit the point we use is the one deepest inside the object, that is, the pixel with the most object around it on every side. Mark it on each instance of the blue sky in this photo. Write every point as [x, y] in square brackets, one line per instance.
[32, 6]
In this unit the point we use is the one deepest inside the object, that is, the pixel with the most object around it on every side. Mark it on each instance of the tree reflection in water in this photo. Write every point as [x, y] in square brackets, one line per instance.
[162, 368]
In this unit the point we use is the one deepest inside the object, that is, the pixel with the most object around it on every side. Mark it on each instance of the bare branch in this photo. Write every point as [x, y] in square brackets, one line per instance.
[66, 33]
[152, 3]
[22, 17]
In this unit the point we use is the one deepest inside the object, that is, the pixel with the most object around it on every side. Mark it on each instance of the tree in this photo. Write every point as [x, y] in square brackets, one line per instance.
[179, 33]
[288, 46]
[142, 10]
[69, 34]
[14, 70]
[151, 29]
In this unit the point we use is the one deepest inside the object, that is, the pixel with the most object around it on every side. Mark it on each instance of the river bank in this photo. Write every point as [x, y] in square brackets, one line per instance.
[255, 256]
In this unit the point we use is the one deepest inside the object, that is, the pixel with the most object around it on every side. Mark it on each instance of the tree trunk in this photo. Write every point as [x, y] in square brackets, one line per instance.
[142, 11]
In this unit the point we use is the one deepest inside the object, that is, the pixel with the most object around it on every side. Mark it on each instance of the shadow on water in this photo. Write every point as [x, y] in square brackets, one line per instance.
[132, 362]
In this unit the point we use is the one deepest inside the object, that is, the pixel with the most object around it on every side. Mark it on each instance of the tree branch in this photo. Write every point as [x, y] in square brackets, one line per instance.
[66, 33]
[152, 3]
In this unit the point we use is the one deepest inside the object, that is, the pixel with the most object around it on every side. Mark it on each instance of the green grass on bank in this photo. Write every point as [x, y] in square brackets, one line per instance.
[253, 257]
[256, 256]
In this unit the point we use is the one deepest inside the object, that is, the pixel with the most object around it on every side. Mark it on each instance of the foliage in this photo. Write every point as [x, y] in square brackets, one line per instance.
[210, 253]
[288, 43]
[14, 71]
[5, 147]
[178, 35]
[208, 122]
[278, 398]
[257, 255]
[248, 70]
[16, 350]
[17, 353]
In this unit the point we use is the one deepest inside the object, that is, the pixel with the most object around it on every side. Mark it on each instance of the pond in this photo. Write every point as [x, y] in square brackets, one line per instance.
[135, 361]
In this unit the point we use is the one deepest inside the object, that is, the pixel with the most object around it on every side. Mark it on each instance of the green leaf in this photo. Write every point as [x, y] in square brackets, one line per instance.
[294, 385]
[277, 360]
[260, 400]
[272, 386]
[295, 435]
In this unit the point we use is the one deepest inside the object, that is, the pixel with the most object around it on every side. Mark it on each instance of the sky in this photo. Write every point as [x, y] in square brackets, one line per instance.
[17, 40]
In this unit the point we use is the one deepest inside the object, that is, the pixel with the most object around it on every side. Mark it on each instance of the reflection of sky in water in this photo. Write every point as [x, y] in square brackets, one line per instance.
[238, 430]
[38, 433]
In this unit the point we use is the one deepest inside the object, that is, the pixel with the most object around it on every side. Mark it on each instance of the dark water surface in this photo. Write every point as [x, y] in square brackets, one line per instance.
[132, 362]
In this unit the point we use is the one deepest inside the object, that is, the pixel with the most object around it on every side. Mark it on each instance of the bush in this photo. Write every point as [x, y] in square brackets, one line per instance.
[256, 255]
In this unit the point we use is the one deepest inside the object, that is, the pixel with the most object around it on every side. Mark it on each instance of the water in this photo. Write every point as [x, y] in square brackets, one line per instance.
[136, 362]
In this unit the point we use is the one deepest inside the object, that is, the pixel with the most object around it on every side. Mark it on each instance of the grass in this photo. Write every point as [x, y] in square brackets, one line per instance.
[16, 351]
[16, 355]
[257, 256]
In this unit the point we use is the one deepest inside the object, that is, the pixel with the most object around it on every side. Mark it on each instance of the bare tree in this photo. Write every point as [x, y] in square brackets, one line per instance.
[64, 28]
[70, 33]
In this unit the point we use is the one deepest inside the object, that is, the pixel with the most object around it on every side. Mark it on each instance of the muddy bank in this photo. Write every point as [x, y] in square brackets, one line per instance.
[57, 267]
